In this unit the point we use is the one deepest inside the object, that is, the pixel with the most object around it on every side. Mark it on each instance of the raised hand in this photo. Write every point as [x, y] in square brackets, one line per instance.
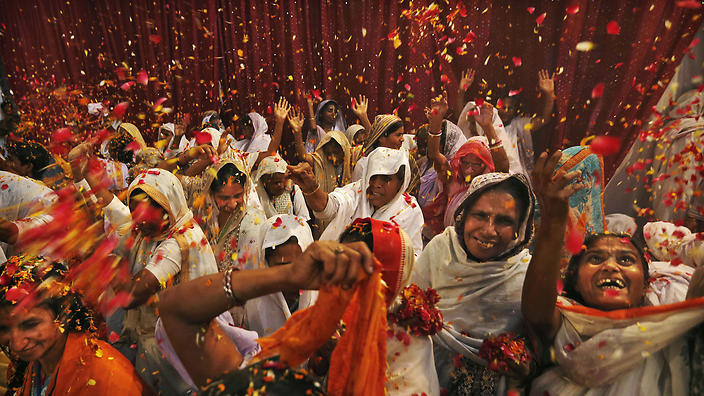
[467, 79]
[332, 263]
[438, 108]
[359, 106]
[485, 117]
[309, 99]
[296, 119]
[552, 188]
[302, 174]
[281, 110]
[546, 82]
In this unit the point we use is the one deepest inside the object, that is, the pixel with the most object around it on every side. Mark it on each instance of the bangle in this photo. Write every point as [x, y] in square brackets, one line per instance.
[227, 286]
[312, 192]
[435, 134]
[495, 145]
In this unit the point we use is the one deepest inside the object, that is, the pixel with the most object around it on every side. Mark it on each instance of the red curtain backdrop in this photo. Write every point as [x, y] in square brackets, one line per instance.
[399, 54]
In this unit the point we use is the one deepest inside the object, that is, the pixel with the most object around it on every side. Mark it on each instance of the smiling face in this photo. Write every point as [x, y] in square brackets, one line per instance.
[610, 275]
[148, 217]
[393, 140]
[382, 189]
[491, 224]
[30, 333]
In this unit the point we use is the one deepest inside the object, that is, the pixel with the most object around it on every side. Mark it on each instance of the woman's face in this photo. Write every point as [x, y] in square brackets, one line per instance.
[471, 167]
[394, 140]
[229, 197]
[360, 137]
[491, 224]
[508, 111]
[285, 254]
[382, 189]
[29, 333]
[165, 134]
[148, 217]
[610, 275]
[275, 184]
[244, 131]
[330, 114]
[333, 152]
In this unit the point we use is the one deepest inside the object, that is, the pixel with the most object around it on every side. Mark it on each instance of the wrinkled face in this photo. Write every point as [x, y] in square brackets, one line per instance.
[471, 167]
[508, 110]
[285, 254]
[329, 114]
[491, 224]
[274, 184]
[382, 189]
[610, 275]
[333, 152]
[229, 197]
[29, 333]
[360, 137]
[394, 140]
[148, 217]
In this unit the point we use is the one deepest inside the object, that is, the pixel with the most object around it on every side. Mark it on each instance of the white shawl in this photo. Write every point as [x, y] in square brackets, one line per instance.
[637, 351]
[259, 140]
[268, 313]
[350, 201]
[294, 203]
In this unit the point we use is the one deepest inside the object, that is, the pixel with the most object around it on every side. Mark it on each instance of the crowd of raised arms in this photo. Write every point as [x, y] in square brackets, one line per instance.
[446, 260]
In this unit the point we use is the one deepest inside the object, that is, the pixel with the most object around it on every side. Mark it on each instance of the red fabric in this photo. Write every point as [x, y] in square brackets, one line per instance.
[261, 49]
[475, 148]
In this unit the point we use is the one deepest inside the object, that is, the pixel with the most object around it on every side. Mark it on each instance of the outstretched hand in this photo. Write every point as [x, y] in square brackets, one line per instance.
[485, 116]
[546, 82]
[281, 110]
[296, 119]
[554, 188]
[467, 79]
[438, 108]
[331, 263]
[359, 106]
[302, 174]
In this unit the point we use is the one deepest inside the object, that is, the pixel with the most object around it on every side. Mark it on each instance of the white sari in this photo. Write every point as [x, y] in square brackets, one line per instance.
[259, 140]
[291, 201]
[632, 351]
[477, 299]
[269, 313]
[347, 203]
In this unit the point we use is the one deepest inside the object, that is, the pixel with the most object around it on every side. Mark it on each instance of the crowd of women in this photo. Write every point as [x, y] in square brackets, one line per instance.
[448, 260]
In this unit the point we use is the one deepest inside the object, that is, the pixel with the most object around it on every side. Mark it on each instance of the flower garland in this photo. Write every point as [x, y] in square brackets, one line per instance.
[418, 311]
[505, 352]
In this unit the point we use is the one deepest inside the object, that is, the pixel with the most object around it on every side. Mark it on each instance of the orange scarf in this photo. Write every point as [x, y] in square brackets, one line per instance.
[358, 364]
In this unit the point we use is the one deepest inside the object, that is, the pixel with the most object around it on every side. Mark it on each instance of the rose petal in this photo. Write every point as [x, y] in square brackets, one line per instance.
[613, 28]
[516, 61]
[539, 20]
[573, 9]
[605, 145]
[598, 90]
[120, 109]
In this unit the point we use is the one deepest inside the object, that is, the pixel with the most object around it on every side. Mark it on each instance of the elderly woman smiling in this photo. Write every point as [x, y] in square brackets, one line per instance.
[620, 326]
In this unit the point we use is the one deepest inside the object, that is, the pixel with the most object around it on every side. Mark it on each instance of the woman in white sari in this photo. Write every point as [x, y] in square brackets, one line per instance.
[379, 195]
[283, 239]
[251, 136]
[620, 327]
[162, 245]
[278, 194]
[477, 268]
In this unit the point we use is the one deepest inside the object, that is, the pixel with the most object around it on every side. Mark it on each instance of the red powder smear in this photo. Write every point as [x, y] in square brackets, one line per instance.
[574, 239]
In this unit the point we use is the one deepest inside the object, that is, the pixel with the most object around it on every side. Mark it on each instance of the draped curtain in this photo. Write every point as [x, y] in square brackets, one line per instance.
[399, 54]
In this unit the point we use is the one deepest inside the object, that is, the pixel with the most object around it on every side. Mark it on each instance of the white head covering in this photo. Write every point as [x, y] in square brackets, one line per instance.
[620, 223]
[402, 209]
[283, 203]
[259, 141]
[351, 131]
[268, 313]
[340, 123]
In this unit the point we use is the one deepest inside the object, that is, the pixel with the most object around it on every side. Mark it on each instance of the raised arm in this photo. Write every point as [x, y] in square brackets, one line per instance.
[465, 82]
[360, 106]
[498, 154]
[208, 354]
[281, 110]
[302, 174]
[435, 114]
[295, 119]
[540, 284]
[546, 84]
[313, 126]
